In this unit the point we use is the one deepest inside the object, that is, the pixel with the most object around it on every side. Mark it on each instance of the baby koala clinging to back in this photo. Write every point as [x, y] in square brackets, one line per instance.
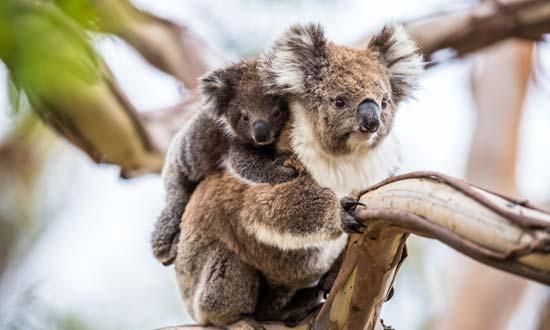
[236, 129]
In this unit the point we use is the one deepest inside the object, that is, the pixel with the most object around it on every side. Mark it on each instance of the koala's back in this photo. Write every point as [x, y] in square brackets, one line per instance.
[216, 214]
[198, 148]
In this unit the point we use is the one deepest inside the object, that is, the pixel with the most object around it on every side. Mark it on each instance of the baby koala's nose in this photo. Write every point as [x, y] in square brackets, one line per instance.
[261, 132]
[369, 116]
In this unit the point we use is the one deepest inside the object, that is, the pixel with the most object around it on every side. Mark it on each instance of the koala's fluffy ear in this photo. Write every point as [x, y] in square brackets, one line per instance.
[218, 88]
[400, 53]
[299, 54]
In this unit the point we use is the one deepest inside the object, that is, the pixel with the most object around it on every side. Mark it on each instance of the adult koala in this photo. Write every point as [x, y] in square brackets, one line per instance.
[240, 240]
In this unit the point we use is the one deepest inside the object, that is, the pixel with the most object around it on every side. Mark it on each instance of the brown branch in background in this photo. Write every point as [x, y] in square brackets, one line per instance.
[163, 124]
[168, 46]
[469, 30]
[73, 91]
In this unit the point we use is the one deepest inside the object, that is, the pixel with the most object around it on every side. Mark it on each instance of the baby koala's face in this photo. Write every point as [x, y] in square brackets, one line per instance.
[257, 119]
[236, 96]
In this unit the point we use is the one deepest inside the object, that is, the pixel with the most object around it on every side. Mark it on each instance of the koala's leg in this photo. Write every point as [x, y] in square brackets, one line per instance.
[166, 233]
[304, 303]
[226, 291]
[261, 165]
[327, 281]
[287, 305]
[272, 301]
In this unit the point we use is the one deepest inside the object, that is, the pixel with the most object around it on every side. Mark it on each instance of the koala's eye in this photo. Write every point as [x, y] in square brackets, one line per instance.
[385, 103]
[277, 113]
[245, 117]
[340, 102]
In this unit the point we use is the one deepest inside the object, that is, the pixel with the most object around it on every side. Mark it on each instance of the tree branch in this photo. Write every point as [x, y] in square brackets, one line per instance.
[463, 32]
[501, 232]
[171, 47]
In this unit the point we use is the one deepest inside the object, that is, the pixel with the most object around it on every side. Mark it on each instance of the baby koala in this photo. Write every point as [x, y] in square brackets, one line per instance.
[236, 129]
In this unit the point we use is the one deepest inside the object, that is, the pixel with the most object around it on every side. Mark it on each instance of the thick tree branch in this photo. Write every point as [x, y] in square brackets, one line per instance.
[169, 46]
[466, 31]
[73, 91]
[501, 232]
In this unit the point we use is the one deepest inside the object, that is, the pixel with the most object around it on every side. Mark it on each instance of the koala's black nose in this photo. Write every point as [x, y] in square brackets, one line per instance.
[261, 131]
[369, 116]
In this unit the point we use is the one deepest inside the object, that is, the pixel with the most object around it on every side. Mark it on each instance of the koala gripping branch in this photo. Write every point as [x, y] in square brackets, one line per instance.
[501, 232]
[504, 233]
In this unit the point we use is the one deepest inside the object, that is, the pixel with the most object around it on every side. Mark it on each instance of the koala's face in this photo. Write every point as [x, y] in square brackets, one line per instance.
[238, 97]
[348, 96]
[256, 117]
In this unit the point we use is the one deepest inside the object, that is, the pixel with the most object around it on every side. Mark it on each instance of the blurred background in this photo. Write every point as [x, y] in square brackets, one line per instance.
[85, 83]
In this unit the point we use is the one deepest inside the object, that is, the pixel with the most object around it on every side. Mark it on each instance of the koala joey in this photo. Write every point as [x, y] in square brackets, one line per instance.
[236, 130]
[249, 249]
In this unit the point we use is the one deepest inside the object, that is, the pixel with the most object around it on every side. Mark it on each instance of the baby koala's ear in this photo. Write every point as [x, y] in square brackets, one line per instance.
[218, 88]
[299, 54]
[402, 57]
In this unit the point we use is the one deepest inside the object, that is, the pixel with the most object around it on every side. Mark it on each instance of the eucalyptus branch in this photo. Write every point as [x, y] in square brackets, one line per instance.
[501, 232]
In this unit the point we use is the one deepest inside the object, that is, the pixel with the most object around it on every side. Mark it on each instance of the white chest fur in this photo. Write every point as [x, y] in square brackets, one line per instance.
[343, 173]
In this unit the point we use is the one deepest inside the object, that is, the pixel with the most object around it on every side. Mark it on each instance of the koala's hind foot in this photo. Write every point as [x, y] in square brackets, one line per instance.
[349, 223]
[288, 305]
[306, 302]
[227, 289]
[272, 301]
[165, 238]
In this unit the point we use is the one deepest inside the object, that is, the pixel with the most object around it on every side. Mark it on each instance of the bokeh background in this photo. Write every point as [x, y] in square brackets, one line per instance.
[75, 236]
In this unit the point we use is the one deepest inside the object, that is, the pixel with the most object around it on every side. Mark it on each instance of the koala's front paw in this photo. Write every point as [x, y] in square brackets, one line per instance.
[284, 167]
[349, 224]
[287, 172]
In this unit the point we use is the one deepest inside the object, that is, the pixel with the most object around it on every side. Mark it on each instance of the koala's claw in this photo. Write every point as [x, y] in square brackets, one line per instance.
[287, 171]
[350, 225]
[349, 203]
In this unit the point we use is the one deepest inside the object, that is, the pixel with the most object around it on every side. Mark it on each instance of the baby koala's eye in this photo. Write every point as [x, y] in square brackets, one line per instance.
[340, 102]
[245, 117]
[385, 102]
[276, 113]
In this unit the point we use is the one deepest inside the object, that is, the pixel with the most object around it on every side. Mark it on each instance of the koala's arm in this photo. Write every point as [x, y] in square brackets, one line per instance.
[292, 215]
[262, 165]
[195, 151]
